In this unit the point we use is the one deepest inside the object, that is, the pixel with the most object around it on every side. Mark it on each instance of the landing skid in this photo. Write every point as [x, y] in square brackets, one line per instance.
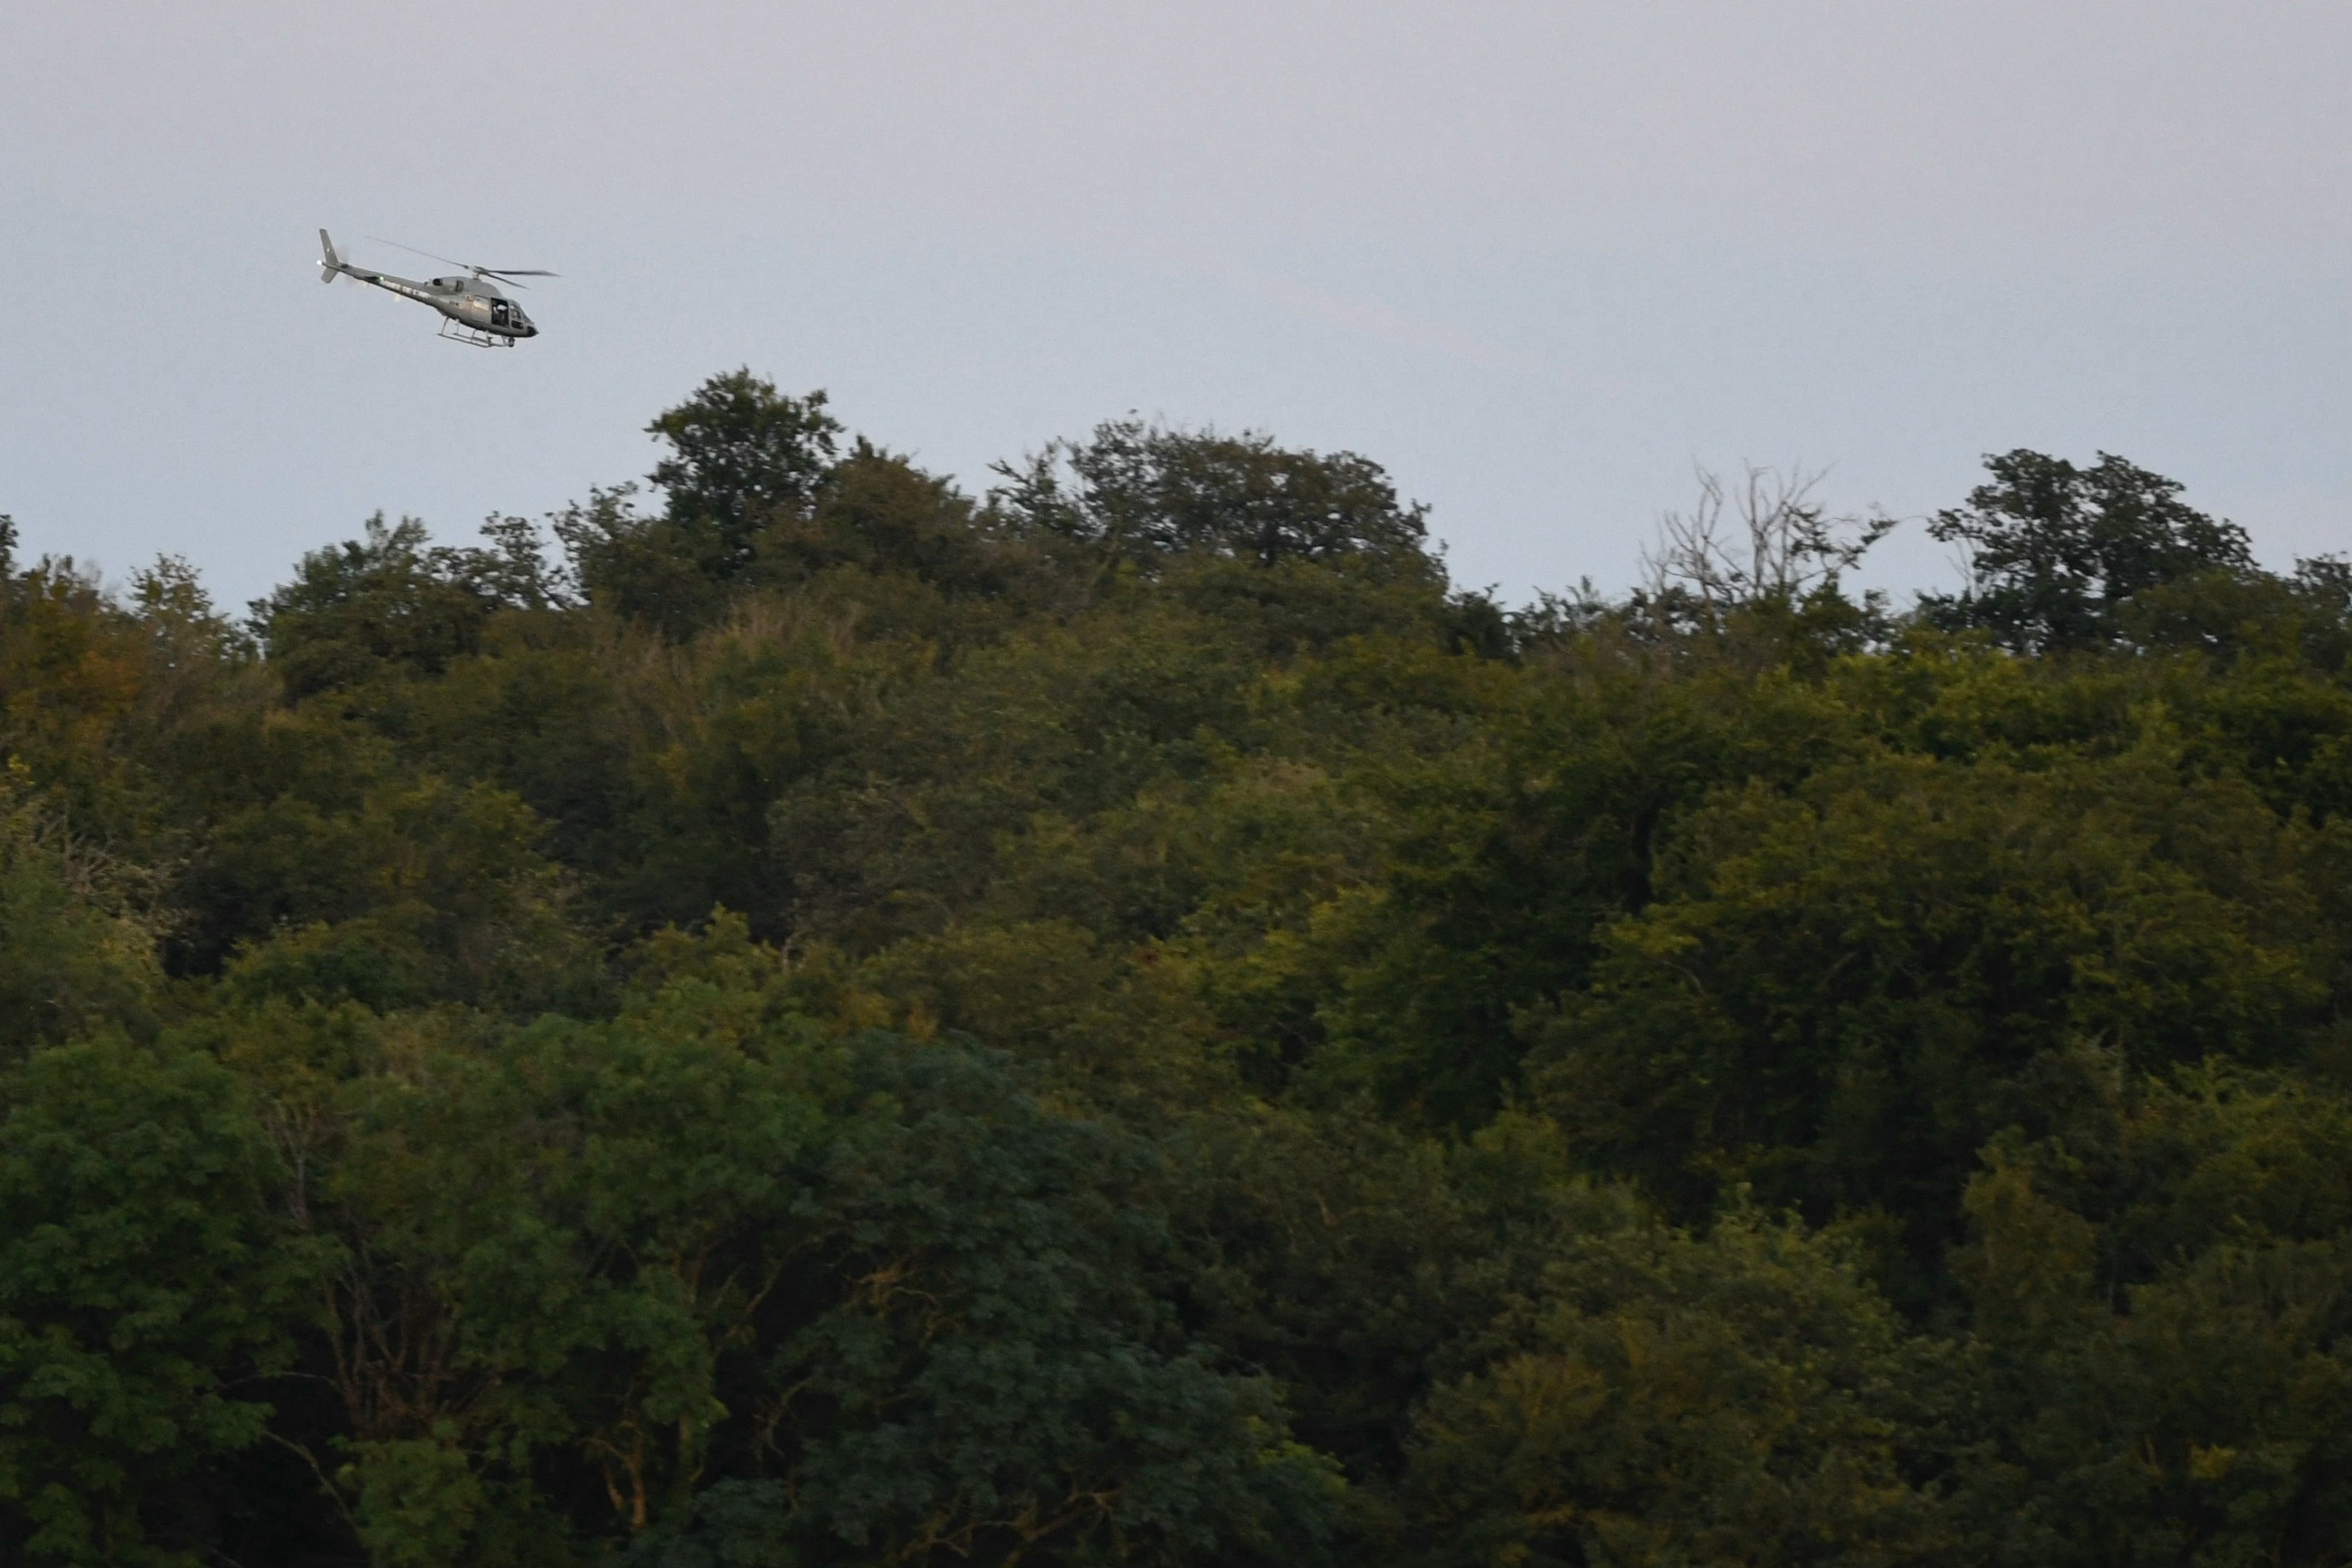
[459, 333]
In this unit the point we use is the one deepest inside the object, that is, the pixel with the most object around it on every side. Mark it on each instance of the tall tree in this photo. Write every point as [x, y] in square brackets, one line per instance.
[1143, 491]
[2054, 548]
[741, 452]
[742, 458]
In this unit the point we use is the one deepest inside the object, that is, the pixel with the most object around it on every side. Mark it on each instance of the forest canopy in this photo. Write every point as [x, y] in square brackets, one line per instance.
[795, 1014]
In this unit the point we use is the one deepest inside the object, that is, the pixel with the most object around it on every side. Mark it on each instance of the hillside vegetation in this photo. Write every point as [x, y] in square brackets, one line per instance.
[820, 1020]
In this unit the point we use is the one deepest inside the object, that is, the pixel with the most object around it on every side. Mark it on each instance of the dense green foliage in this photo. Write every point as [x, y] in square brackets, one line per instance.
[833, 1022]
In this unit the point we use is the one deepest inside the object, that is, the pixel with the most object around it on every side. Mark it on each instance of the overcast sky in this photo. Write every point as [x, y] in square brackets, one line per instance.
[1537, 259]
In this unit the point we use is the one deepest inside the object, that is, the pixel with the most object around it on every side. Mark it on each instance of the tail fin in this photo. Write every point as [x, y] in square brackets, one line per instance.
[332, 263]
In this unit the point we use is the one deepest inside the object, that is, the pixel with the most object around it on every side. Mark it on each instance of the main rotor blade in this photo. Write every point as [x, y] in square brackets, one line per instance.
[506, 272]
[414, 251]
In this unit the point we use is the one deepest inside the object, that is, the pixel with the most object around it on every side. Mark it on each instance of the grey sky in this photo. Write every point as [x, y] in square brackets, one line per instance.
[1537, 259]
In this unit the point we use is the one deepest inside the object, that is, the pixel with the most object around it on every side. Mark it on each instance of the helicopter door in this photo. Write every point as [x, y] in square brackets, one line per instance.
[498, 313]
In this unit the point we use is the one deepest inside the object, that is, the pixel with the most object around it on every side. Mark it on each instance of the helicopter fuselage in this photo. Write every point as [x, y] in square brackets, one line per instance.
[469, 301]
[473, 310]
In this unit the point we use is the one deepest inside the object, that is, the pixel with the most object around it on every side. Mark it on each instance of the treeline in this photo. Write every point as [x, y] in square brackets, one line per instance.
[827, 1021]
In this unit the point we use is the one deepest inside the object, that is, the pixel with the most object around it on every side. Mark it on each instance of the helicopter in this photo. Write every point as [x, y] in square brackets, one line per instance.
[472, 309]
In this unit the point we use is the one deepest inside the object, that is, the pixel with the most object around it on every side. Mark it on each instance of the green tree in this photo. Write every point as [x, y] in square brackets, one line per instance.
[2163, 1340]
[77, 931]
[411, 892]
[2054, 548]
[1847, 989]
[1730, 1398]
[998, 1382]
[1365, 1266]
[597, 1271]
[143, 1282]
[740, 454]
[744, 461]
[390, 603]
[1142, 491]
